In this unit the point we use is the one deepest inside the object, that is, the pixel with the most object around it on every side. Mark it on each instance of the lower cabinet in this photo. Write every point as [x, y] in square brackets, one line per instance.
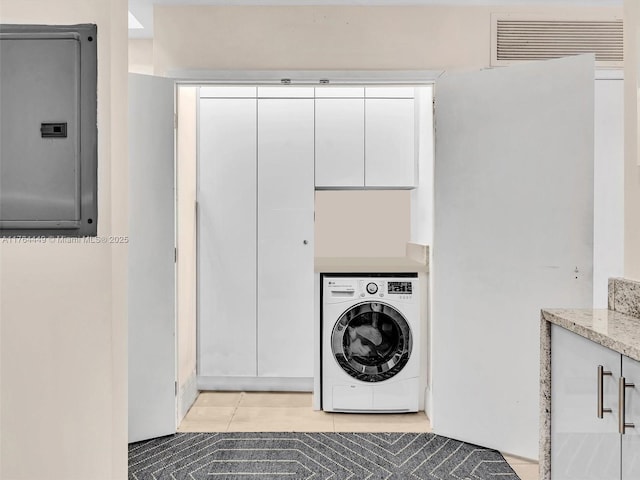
[591, 396]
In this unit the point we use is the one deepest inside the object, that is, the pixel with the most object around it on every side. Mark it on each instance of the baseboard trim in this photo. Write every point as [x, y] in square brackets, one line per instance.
[188, 395]
[256, 384]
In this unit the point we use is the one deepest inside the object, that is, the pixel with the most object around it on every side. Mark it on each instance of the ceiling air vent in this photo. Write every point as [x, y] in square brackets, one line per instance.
[524, 38]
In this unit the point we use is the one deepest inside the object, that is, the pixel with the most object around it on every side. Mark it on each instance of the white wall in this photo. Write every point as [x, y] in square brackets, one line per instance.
[63, 306]
[141, 56]
[631, 140]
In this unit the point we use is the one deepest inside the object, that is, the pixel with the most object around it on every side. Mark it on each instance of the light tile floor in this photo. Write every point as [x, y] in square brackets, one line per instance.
[292, 412]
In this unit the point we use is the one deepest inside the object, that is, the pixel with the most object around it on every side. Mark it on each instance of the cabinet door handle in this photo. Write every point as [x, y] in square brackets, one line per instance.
[601, 374]
[622, 400]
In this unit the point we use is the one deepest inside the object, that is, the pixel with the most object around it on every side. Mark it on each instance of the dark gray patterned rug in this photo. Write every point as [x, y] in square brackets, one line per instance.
[317, 456]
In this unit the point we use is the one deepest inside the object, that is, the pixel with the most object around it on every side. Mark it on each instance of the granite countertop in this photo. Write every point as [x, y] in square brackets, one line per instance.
[611, 329]
[369, 265]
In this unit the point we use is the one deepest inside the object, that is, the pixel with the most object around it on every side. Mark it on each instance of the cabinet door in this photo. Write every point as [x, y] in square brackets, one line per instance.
[583, 446]
[227, 237]
[151, 267]
[339, 142]
[390, 142]
[285, 237]
[631, 437]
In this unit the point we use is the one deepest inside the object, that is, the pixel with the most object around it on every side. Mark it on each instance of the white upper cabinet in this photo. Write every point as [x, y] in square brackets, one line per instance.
[365, 137]
[339, 142]
[390, 150]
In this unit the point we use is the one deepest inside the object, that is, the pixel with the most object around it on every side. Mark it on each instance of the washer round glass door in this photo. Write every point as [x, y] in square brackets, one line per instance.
[371, 341]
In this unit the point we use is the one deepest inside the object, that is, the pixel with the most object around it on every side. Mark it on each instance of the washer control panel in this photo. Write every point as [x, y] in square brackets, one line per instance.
[390, 288]
[400, 290]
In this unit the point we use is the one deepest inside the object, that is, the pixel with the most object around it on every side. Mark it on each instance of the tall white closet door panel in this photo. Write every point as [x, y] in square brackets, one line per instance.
[608, 183]
[227, 237]
[631, 437]
[390, 142]
[583, 446]
[513, 211]
[152, 323]
[285, 237]
[339, 142]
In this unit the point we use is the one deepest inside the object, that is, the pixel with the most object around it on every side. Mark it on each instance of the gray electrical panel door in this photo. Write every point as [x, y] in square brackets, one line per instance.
[48, 131]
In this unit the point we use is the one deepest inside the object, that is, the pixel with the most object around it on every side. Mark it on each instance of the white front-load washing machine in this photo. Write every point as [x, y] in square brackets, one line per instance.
[370, 338]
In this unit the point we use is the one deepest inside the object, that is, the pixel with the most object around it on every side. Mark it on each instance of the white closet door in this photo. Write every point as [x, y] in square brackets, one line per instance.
[608, 196]
[227, 237]
[285, 237]
[513, 233]
[631, 437]
[339, 142]
[152, 325]
[390, 142]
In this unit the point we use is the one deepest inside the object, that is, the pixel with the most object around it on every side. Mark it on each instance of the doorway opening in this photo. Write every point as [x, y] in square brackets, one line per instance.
[389, 218]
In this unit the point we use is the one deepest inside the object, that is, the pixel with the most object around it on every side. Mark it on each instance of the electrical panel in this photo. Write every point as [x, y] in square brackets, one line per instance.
[48, 130]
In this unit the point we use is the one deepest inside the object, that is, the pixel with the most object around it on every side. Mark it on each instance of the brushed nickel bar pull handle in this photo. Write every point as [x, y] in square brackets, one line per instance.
[601, 409]
[622, 400]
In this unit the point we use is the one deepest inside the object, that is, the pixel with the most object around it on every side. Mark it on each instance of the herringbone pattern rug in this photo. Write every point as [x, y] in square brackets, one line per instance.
[316, 456]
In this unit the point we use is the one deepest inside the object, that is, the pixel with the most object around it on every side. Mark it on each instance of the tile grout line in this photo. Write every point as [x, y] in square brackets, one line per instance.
[235, 409]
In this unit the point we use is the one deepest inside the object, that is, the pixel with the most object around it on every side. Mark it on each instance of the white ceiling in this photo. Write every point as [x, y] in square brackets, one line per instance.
[143, 9]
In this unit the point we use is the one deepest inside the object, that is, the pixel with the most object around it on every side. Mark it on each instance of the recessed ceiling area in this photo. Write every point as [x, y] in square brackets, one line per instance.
[142, 10]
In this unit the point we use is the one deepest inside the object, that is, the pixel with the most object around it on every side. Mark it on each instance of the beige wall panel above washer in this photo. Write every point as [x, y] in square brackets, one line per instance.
[362, 223]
